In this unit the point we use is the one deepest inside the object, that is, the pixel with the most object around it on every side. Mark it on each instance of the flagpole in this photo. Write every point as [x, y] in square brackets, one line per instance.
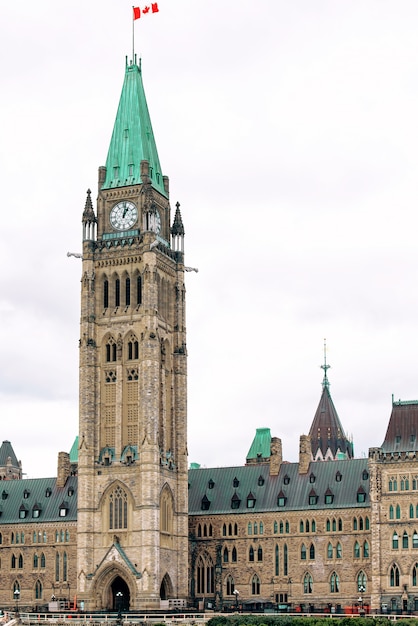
[133, 34]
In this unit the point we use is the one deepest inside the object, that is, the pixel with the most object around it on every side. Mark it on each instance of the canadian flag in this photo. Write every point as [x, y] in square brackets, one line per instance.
[152, 8]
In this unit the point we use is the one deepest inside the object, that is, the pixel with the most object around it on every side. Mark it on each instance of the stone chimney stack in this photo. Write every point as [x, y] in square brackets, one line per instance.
[305, 454]
[64, 468]
[276, 455]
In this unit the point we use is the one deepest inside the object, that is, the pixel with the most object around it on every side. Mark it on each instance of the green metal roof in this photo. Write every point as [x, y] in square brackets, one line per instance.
[37, 493]
[221, 485]
[132, 138]
[74, 451]
[260, 447]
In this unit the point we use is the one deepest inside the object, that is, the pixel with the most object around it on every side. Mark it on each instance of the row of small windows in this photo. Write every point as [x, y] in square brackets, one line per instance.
[230, 530]
[404, 483]
[121, 294]
[39, 561]
[395, 512]
[404, 540]
[205, 530]
[61, 536]
[283, 527]
[257, 528]
[335, 551]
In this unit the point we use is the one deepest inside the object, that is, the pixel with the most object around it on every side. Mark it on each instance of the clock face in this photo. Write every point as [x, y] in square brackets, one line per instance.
[123, 215]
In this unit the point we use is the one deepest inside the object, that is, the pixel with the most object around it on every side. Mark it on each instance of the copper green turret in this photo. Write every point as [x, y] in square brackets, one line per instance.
[132, 138]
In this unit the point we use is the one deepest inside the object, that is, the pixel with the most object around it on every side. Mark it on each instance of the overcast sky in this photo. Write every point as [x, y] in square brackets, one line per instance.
[289, 131]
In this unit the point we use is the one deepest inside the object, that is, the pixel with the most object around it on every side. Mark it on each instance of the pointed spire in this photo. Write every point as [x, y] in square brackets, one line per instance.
[177, 231]
[177, 228]
[328, 440]
[132, 139]
[88, 213]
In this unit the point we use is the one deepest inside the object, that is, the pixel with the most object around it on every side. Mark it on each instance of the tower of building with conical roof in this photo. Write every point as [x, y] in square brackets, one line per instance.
[328, 440]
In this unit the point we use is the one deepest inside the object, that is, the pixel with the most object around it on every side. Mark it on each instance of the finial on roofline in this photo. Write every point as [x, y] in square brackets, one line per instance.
[325, 367]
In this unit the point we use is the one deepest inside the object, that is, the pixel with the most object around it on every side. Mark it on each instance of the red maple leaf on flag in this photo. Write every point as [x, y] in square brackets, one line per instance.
[153, 8]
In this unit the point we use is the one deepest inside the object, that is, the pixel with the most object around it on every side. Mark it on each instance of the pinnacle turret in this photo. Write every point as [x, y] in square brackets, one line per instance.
[328, 440]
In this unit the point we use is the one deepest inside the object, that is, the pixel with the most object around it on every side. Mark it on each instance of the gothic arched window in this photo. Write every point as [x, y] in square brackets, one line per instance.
[204, 575]
[394, 576]
[118, 509]
[255, 585]
[307, 583]
[38, 590]
[334, 583]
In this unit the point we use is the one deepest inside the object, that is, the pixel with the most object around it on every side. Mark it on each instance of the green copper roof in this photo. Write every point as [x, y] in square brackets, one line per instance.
[74, 451]
[260, 447]
[132, 138]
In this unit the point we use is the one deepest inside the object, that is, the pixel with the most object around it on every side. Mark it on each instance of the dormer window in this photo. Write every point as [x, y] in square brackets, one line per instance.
[260, 481]
[36, 511]
[26, 494]
[48, 492]
[338, 477]
[329, 497]
[250, 501]
[70, 491]
[205, 504]
[281, 499]
[365, 475]
[4, 495]
[312, 478]
[235, 501]
[63, 509]
[235, 482]
[361, 495]
[286, 480]
[23, 512]
[211, 484]
[313, 498]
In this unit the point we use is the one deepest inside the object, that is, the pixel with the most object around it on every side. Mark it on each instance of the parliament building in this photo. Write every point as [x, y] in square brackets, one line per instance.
[126, 524]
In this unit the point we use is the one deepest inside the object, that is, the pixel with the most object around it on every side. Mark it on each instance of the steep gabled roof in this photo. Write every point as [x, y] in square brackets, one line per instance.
[328, 440]
[132, 138]
[402, 431]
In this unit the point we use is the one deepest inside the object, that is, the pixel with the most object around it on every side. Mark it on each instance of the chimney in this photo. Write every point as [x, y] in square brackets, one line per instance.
[276, 455]
[305, 453]
[64, 468]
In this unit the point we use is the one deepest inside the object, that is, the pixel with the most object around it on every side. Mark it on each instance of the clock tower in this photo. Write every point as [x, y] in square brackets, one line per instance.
[132, 467]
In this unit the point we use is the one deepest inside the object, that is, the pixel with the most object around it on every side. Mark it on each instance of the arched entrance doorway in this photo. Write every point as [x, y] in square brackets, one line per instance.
[121, 598]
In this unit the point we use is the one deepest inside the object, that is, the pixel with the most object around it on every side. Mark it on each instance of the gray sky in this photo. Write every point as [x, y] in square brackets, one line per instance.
[289, 132]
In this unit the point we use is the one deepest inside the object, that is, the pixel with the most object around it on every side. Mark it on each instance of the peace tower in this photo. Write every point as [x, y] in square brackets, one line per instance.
[132, 460]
